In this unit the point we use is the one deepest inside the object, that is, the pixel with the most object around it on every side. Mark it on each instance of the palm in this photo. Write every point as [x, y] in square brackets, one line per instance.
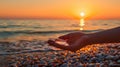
[75, 41]
[72, 37]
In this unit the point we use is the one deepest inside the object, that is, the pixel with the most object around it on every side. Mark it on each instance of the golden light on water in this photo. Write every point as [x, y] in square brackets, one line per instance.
[81, 24]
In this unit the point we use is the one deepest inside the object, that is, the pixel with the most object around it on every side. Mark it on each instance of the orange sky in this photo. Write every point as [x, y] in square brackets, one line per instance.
[94, 9]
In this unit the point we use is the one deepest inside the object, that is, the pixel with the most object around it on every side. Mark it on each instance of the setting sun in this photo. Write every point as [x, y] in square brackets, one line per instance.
[82, 14]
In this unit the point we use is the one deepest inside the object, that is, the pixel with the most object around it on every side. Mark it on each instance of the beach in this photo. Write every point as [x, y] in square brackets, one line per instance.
[96, 55]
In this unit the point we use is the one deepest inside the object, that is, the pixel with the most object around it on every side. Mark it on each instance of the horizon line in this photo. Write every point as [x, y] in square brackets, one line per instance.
[62, 18]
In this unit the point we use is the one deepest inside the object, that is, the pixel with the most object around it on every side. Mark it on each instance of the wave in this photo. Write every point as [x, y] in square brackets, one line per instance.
[20, 26]
[34, 32]
[10, 26]
[44, 32]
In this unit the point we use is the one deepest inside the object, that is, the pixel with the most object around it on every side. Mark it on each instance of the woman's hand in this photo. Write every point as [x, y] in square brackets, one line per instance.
[75, 40]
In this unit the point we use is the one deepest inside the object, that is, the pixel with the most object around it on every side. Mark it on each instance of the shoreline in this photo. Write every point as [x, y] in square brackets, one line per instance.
[91, 54]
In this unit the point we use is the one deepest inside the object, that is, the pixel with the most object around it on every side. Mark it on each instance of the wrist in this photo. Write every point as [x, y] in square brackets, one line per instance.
[89, 39]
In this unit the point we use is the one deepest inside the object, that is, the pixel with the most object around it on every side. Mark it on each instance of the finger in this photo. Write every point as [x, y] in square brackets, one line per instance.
[64, 37]
[53, 43]
[50, 42]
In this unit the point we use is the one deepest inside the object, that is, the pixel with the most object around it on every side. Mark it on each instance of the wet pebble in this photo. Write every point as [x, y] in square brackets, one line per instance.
[90, 56]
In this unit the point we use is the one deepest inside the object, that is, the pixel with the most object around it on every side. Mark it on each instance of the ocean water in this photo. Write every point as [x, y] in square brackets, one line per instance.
[11, 30]
[25, 36]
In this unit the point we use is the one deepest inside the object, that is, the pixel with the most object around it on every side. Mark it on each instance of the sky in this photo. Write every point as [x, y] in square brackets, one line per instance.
[63, 9]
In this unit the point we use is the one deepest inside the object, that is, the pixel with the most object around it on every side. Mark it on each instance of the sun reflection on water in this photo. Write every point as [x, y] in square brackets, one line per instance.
[81, 24]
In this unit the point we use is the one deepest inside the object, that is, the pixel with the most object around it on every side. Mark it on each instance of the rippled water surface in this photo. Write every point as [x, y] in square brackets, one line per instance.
[44, 29]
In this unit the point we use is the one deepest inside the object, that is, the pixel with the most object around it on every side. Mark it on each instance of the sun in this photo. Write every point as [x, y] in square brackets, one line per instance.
[82, 14]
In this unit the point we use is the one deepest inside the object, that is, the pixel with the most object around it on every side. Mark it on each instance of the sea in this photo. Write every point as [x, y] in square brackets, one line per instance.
[30, 35]
[43, 29]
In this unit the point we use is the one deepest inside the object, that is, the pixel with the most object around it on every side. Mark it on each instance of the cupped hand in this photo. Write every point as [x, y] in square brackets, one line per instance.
[75, 40]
